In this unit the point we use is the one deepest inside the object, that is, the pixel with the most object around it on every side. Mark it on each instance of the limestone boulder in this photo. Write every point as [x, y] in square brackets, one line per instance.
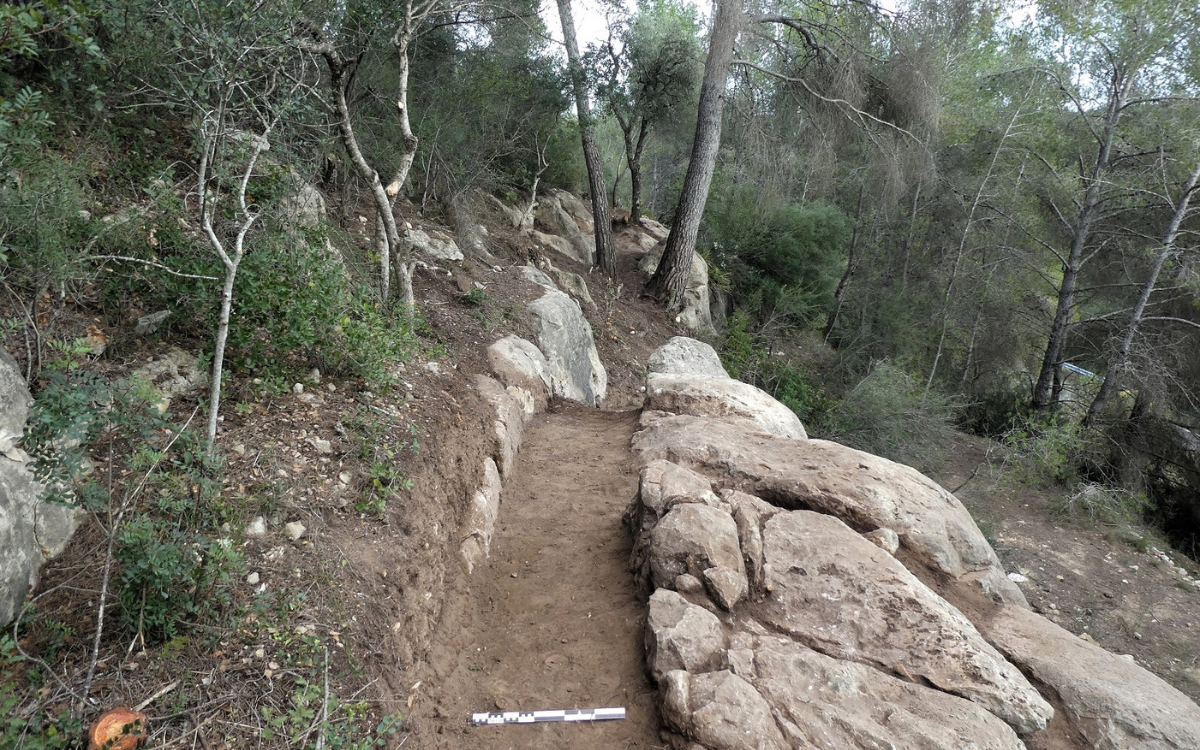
[508, 423]
[565, 338]
[175, 374]
[682, 635]
[821, 702]
[480, 523]
[696, 313]
[560, 245]
[520, 365]
[433, 244]
[31, 531]
[655, 229]
[538, 276]
[721, 711]
[865, 491]
[304, 206]
[702, 396]
[1114, 703]
[696, 539]
[573, 284]
[686, 356]
[15, 402]
[663, 485]
[835, 592]
[554, 214]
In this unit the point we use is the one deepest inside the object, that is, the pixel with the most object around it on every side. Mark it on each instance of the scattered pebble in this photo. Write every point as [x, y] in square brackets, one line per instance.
[1017, 578]
[298, 388]
[294, 530]
[322, 445]
[257, 527]
[252, 579]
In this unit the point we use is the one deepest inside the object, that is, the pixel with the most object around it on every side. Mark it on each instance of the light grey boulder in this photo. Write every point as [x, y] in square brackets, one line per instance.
[433, 244]
[861, 489]
[822, 702]
[557, 218]
[521, 365]
[693, 539]
[703, 396]
[696, 313]
[508, 424]
[655, 229]
[31, 531]
[578, 210]
[175, 374]
[480, 523]
[721, 711]
[681, 635]
[1114, 703]
[560, 245]
[539, 277]
[565, 338]
[15, 402]
[304, 206]
[663, 485]
[686, 356]
[573, 284]
[839, 594]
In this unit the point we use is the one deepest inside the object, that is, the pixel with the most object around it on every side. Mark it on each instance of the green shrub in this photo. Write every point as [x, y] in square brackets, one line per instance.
[889, 414]
[747, 358]
[1045, 451]
[1097, 502]
[783, 261]
[176, 566]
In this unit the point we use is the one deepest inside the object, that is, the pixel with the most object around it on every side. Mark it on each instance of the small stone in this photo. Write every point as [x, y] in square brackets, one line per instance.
[345, 477]
[1133, 568]
[314, 376]
[688, 584]
[298, 388]
[331, 387]
[1137, 636]
[322, 445]
[1053, 606]
[257, 527]
[239, 449]
[1061, 578]
[885, 539]
[294, 530]
[1017, 578]
[252, 579]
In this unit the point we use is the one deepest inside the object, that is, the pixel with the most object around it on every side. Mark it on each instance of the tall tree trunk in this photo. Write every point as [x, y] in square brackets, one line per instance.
[944, 314]
[634, 157]
[1135, 318]
[670, 279]
[1049, 382]
[851, 262]
[606, 256]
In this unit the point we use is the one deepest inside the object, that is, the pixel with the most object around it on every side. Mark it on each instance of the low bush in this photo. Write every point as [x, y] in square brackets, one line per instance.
[888, 413]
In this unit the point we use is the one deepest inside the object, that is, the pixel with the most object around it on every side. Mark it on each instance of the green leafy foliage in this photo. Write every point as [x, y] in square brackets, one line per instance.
[890, 414]
[177, 566]
[747, 356]
[783, 261]
[21, 728]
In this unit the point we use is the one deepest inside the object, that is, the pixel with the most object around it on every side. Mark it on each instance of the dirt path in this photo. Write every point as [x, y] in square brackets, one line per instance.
[554, 620]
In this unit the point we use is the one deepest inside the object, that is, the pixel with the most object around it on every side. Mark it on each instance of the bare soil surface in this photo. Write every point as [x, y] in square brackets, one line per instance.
[1110, 584]
[554, 619]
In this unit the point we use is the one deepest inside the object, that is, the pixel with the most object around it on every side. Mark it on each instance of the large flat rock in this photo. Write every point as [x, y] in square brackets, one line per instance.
[833, 591]
[573, 365]
[865, 491]
[826, 703]
[703, 396]
[1114, 703]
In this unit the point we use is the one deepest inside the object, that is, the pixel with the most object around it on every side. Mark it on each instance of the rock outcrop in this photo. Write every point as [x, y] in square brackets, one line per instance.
[31, 531]
[562, 214]
[794, 607]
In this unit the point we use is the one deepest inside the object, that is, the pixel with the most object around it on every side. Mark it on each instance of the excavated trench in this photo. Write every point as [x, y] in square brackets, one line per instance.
[554, 619]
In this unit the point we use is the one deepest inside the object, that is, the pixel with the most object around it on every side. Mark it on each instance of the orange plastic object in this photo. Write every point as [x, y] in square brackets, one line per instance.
[118, 729]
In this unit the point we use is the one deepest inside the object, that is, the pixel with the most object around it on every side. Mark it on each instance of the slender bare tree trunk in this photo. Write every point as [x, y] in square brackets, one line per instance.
[606, 256]
[851, 262]
[671, 278]
[962, 249]
[1049, 382]
[1166, 250]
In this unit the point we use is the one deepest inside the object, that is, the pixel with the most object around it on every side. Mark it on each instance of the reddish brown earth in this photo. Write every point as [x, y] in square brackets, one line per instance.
[554, 619]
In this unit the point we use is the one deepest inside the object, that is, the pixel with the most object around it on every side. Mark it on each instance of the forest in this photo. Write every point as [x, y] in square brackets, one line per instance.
[940, 214]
